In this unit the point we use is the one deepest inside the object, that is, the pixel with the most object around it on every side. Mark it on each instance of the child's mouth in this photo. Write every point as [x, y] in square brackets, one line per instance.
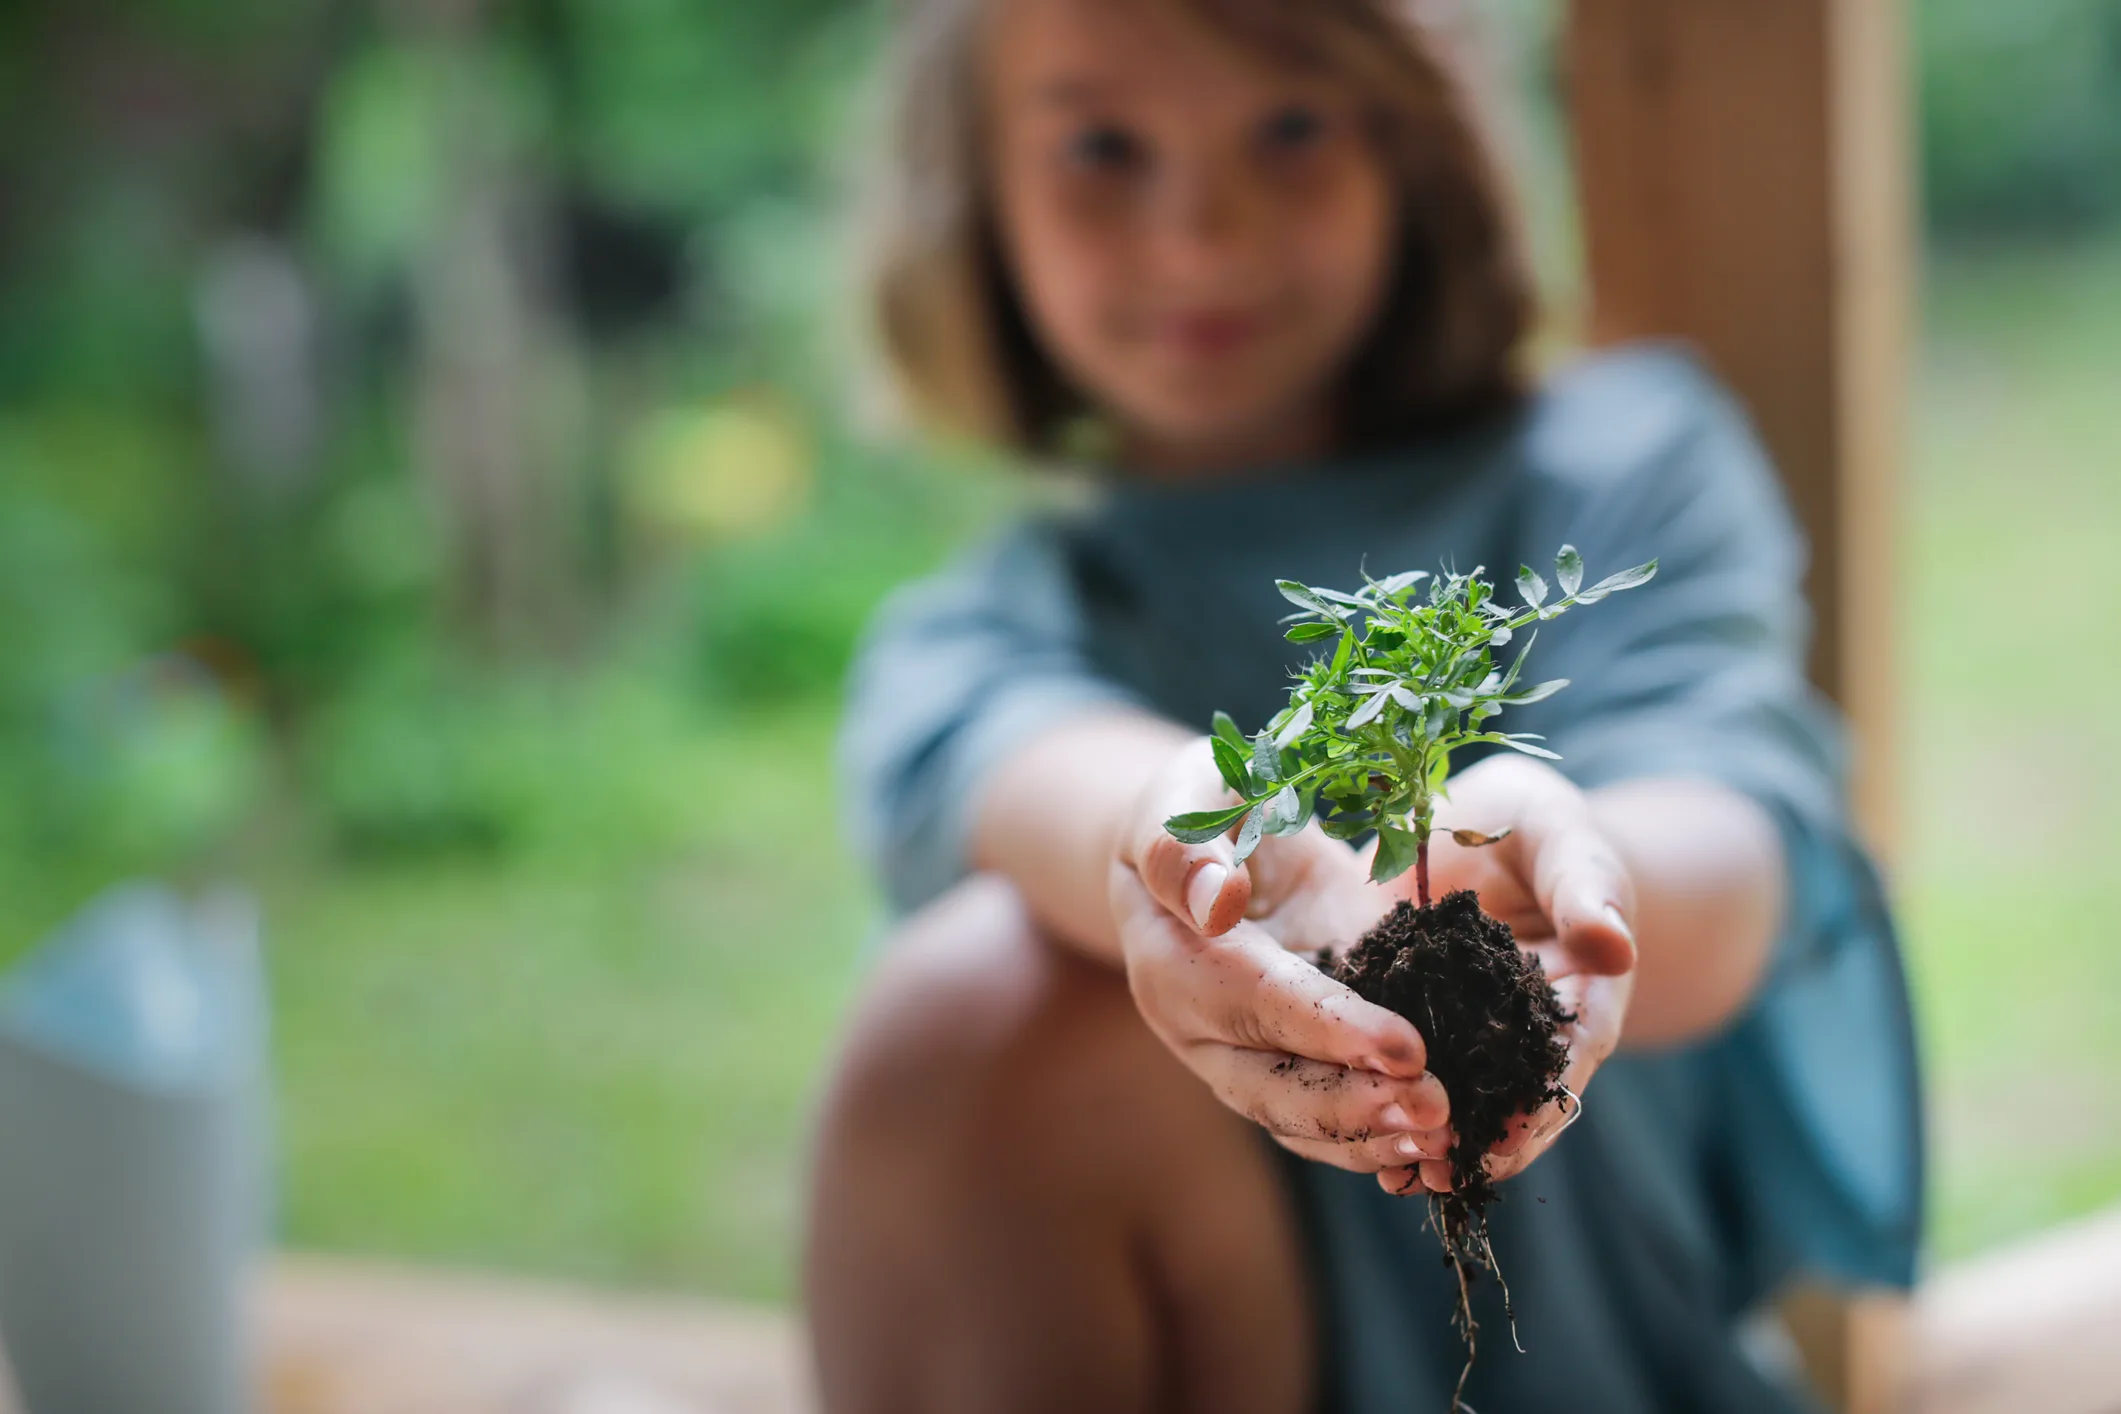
[1213, 334]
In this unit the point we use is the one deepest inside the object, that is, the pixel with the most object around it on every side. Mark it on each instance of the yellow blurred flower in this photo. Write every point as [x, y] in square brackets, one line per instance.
[720, 471]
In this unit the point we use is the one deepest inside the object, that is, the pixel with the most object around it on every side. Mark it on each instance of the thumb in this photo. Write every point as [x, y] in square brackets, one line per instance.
[1201, 884]
[1583, 889]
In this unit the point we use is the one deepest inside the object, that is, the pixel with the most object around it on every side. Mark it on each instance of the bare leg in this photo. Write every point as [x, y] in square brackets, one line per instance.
[1023, 1203]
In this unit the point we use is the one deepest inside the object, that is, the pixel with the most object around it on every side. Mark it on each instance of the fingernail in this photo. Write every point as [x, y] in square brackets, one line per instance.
[1202, 890]
[1396, 1118]
[1619, 920]
[1410, 1147]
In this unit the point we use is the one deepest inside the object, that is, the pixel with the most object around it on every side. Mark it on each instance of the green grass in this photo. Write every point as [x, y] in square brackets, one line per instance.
[595, 1058]
[2012, 664]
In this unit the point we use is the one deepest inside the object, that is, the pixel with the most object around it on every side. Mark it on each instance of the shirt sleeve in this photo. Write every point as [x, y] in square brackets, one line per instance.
[954, 672]
[1702, 673]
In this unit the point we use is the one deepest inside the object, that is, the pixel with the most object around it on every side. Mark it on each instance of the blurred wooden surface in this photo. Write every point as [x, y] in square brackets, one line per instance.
[1744, 179]
[344, 1337]
[2030, 1329]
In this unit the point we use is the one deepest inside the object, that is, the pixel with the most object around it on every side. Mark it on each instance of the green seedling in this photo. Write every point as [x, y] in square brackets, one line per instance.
[1365, 742]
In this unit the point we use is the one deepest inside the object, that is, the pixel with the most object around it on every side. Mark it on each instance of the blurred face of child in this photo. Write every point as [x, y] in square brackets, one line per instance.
[1199, 239]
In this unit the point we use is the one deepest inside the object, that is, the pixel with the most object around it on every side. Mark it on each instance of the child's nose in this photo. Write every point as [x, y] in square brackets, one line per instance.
[1207, 218]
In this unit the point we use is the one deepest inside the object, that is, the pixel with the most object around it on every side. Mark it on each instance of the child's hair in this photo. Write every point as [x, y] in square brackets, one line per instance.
[1447, 346]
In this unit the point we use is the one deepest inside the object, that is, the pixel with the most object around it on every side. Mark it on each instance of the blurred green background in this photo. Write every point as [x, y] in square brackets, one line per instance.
[433, 491]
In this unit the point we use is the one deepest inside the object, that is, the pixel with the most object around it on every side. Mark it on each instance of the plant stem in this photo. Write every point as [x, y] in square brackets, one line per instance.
[1421, 867]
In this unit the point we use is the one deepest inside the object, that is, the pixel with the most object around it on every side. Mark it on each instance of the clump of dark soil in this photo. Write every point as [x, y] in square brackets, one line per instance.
[1484, 1006]
[1492, 1023]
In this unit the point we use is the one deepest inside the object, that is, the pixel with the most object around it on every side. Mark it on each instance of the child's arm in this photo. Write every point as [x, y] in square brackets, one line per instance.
[1051, 815]
[1709, 883]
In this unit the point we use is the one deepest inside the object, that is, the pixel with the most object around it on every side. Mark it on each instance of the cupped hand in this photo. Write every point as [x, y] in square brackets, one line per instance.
[1564, 892]
[1214, 954]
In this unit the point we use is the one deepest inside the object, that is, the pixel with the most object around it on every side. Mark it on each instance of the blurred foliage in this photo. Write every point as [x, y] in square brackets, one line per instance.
[2021, 113]
[252, 338]
[426, 489]
[249, 564]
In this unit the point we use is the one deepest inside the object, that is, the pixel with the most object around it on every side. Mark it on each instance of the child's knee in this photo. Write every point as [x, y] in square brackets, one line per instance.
[967, 1031]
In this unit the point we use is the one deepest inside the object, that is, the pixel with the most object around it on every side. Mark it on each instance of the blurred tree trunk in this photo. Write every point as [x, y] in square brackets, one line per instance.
[497, 405]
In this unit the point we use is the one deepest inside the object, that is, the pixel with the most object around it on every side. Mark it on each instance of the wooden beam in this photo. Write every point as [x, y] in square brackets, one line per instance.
[1742, 173]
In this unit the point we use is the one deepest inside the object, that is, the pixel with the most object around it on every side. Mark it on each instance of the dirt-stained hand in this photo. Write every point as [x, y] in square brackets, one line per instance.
[1216, 959]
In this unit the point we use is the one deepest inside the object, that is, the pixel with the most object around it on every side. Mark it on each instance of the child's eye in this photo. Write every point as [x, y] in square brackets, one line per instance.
[1292, 129]
[1105, 148]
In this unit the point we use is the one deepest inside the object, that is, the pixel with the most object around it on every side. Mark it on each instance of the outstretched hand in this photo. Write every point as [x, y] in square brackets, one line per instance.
[1214, 954]
[1219, 959]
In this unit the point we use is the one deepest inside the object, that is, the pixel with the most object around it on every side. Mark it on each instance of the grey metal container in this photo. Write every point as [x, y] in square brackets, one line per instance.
[132, 1183]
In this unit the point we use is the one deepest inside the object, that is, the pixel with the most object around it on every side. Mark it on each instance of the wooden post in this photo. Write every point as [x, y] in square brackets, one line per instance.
[1743, 180]
[1743, 173]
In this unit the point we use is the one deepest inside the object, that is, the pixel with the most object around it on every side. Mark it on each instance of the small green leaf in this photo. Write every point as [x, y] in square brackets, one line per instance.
[1539, 692]
[1303, 596]
[1368, 712]
[1248, 834]
[1341, 654]
[1310, 632]
[1439, 717]
[1266, 758]
[1282, 811]
[1524, 743]
[1384, 640]
[1439, 769]
[1531, 587]
[1224, 725]
[1568, 569]
[1231, 763]
[1395, 853]
[1299, 722]
[1306, 804]
[1395, 584]
[1614, 583]
[1200, 826]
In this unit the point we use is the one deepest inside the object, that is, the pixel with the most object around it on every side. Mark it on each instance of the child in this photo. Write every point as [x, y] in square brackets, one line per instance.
[1260, 250]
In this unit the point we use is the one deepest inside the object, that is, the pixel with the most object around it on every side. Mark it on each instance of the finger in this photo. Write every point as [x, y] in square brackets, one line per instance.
[1298, 1098]
[1585, 892]
[1245, 990]
[1248, 991]
[1523, 1128]
[1378, 1155]
[1402, 1182]
[1202, 883]
[1600, 1006]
